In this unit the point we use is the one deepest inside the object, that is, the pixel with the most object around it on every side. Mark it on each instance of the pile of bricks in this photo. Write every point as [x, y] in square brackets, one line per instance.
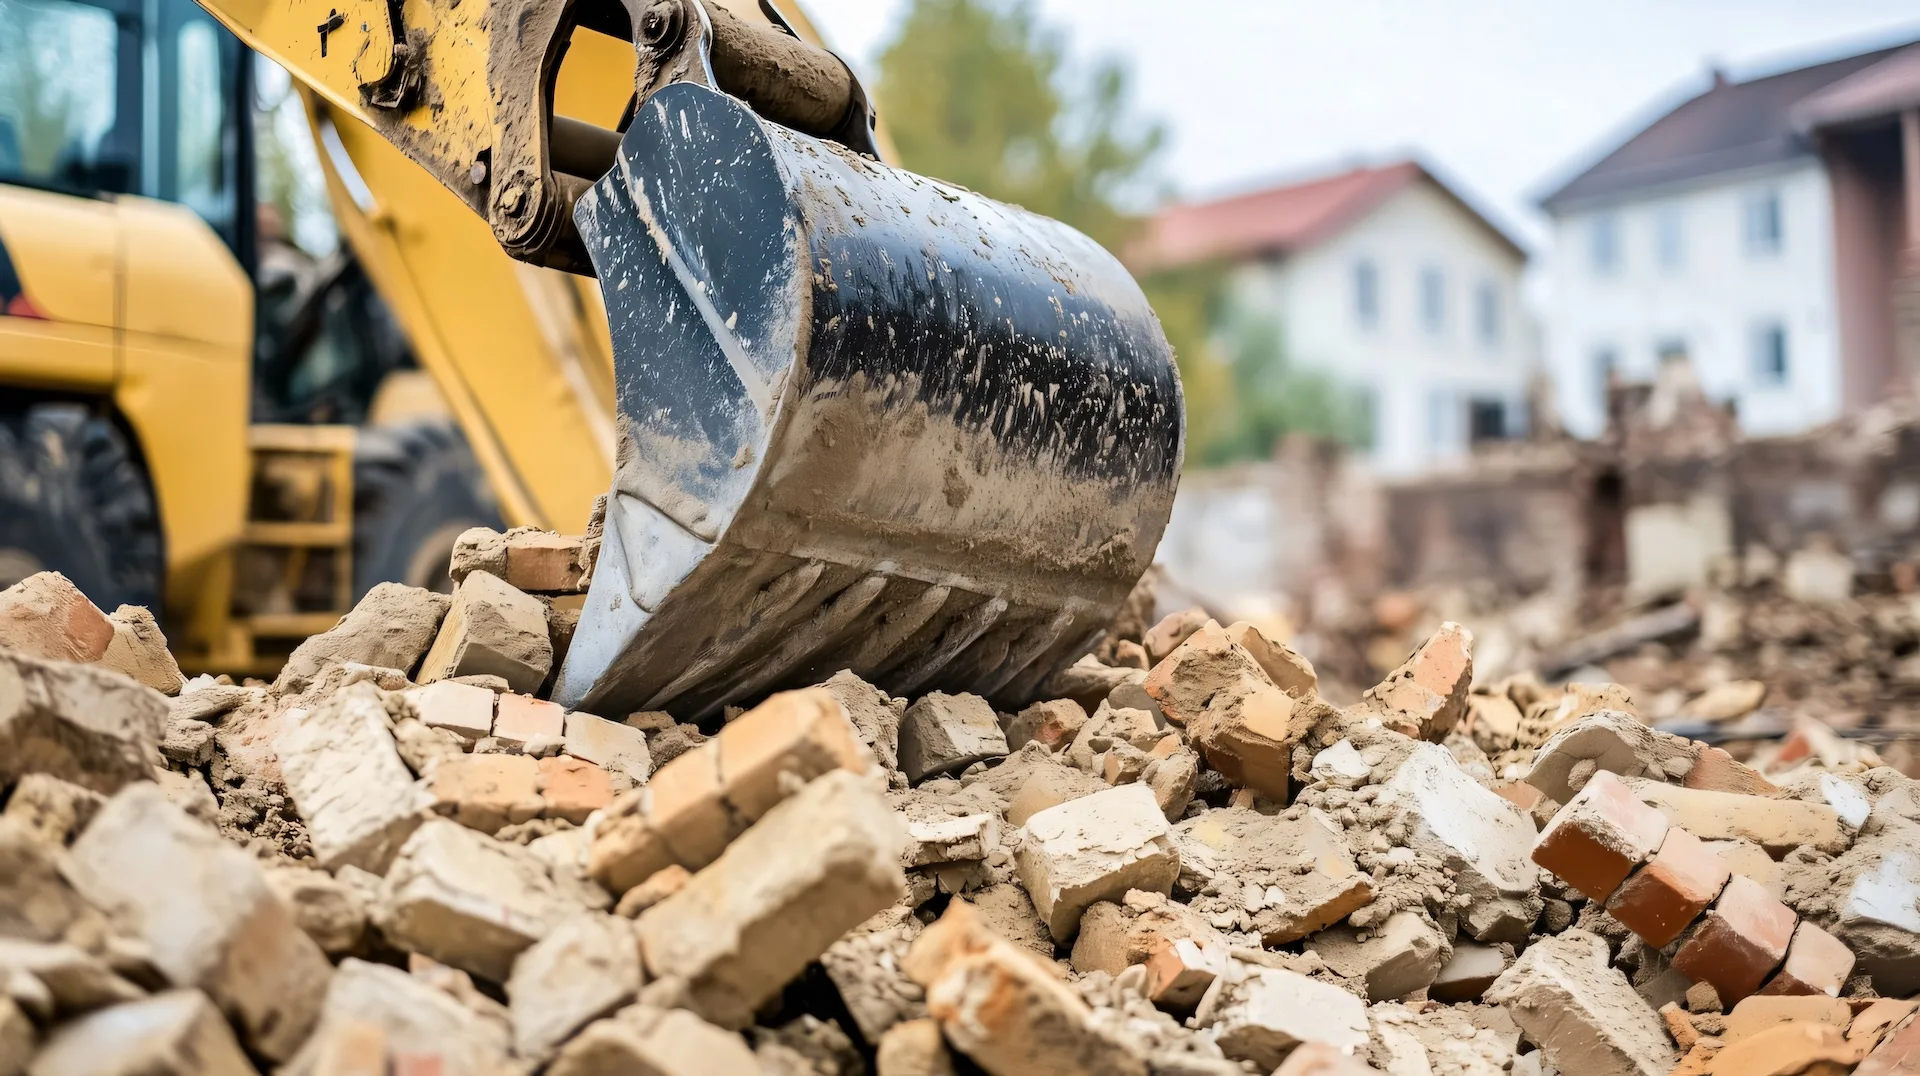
[401, 857]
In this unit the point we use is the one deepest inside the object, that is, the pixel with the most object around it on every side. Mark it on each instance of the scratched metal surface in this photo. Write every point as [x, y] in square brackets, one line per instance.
[867, 421]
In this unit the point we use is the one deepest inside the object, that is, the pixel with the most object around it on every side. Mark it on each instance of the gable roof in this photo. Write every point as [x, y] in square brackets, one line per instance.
[1282, 219]
[1731, 127]
[1880, 91]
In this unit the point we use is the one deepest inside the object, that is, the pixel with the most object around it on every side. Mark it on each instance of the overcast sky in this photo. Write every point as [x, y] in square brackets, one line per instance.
[1503, 96]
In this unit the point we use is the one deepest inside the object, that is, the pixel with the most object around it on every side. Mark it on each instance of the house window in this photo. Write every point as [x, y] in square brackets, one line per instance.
[1670, 238]
[1366, 294]
[1486, 313]
[1433, 299]
[1764, 227]
[1770, 354]
[1443, 411]
[1605, 361]
[1487, 420]
[1603, 244]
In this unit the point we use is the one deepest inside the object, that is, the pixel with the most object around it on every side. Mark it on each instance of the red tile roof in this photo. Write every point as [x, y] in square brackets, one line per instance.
[1274, 220]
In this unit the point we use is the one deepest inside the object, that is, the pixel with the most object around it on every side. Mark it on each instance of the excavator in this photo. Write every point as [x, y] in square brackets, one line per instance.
[838, 415]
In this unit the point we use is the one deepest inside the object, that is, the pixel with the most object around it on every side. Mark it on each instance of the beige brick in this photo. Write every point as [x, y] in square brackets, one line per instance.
[45, 616]
[1485, 838]
[1582, 1012]
[491, 629]
[609, 745]
[178, 1033]
[1094, 848]
[587, 967]
[468, 900]
[1289, 671]
[204, 911]
[943, 733]
[913, 1048]
[1777, 825]
[812, 868]
[391, 627]
[641, 1040]
[1171, 630]
[1260, 1014]
[1049, 786]
[1427, 695]
[139, 650]
[421, 1023]
[541, 562]
[487, 792]
[348, 781]
[94, 728]
[1394, 958]
[519, 720]
[463, 709]
[999, 1006]
[795, 734]
[573, 789]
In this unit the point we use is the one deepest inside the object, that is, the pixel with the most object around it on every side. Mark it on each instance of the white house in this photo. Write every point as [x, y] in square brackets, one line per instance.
[1756, 231]
[1387, 279]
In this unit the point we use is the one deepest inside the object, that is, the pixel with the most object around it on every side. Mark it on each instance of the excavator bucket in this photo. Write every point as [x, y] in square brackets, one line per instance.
[867, 421]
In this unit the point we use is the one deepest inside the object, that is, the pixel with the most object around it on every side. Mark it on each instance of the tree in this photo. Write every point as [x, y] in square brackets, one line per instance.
[1271, 397]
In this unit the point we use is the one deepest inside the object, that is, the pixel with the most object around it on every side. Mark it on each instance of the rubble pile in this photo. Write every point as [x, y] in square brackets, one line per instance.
[400, 857]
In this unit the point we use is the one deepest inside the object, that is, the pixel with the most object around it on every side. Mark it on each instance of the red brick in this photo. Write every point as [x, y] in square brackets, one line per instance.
[795, 734]
[1053, 724]
[1897, 1054]
[520, 718]
[1817, 963]
[1427, 695]
[1599, 837]
[1172, 630]
[46, 616]
[487, 792]
[1671, 890]
[573, 789]
[1788, 1048]
[1716, 771]
[1740, 942]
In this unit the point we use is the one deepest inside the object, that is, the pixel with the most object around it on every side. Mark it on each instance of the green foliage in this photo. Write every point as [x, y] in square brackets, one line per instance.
[978, 92]
[1271, 398]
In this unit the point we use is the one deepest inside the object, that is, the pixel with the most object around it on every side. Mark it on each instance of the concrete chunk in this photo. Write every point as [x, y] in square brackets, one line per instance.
[943, 733]
[1611, 741]
[391, 627]
[205, 912]
[813, 868]
[1486, 838]
[875, 715]
[1260, 1014]
[36, 900]
[330, 911]
[1095, 848]
[468, 900]
[57, 810]
[348, 781]
[139, 650]
[1395, 959]
[76, 980]
[1053, 723]
[1583, 1014]
[1252, 848]
[494, 630]
[94, 728]
[421, 1022]
[178, 1033]
[585, 968]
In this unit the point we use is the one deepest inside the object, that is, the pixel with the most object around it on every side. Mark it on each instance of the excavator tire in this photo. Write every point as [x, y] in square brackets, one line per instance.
[416, 486]
[75, 498]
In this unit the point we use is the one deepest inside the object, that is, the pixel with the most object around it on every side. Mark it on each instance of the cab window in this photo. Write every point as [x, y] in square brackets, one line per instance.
[69, 80]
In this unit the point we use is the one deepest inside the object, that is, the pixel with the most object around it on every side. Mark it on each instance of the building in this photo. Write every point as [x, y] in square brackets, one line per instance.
[1386, 278]
[1763, 230]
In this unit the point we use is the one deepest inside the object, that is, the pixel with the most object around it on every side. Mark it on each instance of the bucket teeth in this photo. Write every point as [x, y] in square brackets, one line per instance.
[866, 421]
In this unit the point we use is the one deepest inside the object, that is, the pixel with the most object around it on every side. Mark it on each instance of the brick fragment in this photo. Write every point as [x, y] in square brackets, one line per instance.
[812, 868]
[1260, 1014]
[1240, 843]
[1817, 963]
[178, 1033]
[1880, 1016]
[999, 1007]
[1171, 630]
[1319, 1059]
[487, 792]
[348, 781]
[1897, 1054]
[1195, 671]
[1053, 724]
[1049, 786]
[467, 900]
[1094, 848]
[93, 728]
[1179, 971]
[1582, 1012]
[1606, 741]
[942, 733]
[351, 1048]
[1395, 959]
[803, 733]
[1427, 695]
[1761, 1013]
[56, 810]
[647, 1041]
[1716, 771]
[139, 650]
[1671, 890]
[1173, 780]
[1483, 837]
[1600, 837]
[205, 913]
[331, 911]
[609, 745]
[1739, 943]
[1288, 670]
[587, 967]
[1493, 721]
[45, 616]
[1468, 972]
[573, 789]
[913, 1048]
[463, 709]
[1109, 725]
[1784, 1049]
[491, 629]
[1117, 934]
[390, 627]
[522, 719]
[1247, 732]
[1778, 825]
[665, 883]
[541, 562]
[426, 1030]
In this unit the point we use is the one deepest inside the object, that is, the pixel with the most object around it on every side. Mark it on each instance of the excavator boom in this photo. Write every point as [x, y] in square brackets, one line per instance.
[863, 419]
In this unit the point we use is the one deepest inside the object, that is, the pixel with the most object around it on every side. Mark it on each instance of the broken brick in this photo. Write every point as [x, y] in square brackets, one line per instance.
[1671, 890]
[1171, 630]
[1179, 971]
[1427, 695]
[522, 720]
[1777, 825]
[1094, 848]
[178, 1033]
[1582, 1012]
[463, 709]
[1260, 1014]
[1289, 671]
[1053, 724]
[491, 629]
[1817, 963]
[487, 792]
[348, 781]
[390, 628]
[1247, 732]
[1195, 671]
[609, 745]
[1599, 837]
[45, 616]
[94, 728]
[1739, 943]
[943, 733]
